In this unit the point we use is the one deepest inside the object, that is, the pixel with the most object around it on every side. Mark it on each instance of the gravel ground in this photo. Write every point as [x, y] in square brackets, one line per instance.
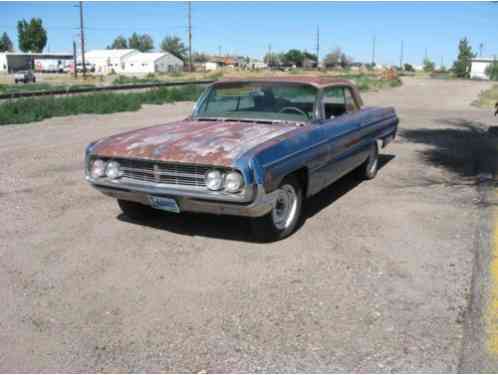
[376, 280]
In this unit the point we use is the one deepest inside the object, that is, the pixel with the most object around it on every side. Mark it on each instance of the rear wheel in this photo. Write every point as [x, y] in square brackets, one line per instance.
[136, 211]
[284, 217]
[368, 170]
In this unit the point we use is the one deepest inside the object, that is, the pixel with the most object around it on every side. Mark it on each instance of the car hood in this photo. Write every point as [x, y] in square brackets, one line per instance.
[189, 141]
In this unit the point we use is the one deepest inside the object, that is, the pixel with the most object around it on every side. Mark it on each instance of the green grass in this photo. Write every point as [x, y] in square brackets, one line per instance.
[370, 82]
[487, 98]
[30, 87]
[124, 80]
[36, 109]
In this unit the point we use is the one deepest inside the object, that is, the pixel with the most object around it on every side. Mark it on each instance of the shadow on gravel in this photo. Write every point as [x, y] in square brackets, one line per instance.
[237, 228]
[466, 148]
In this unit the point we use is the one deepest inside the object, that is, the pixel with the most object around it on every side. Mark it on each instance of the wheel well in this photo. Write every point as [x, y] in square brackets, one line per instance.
[302, 177]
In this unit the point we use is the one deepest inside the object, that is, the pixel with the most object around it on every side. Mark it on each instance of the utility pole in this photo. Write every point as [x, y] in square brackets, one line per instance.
[318, 47]
[190, 36]
[75, 60]
[269, 56]
[481, 46]
[401, 56]
[373, 50]
[82, 40]
[219, 51]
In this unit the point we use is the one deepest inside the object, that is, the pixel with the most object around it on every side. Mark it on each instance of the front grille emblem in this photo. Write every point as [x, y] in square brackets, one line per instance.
[157, 176]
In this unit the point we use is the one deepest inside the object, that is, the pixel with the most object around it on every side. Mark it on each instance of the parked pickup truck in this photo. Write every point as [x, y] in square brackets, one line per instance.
[254, 148]
[24, 76]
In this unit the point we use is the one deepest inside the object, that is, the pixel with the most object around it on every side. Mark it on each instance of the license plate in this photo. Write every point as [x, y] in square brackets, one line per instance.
[163, 203]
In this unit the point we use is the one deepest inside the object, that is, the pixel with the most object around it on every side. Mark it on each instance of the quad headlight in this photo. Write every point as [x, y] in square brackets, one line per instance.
[99, 168]
[112, 170]
[214, 180]
[233, 182]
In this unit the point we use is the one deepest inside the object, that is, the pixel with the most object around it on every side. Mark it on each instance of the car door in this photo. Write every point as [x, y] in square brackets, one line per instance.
[342, 119]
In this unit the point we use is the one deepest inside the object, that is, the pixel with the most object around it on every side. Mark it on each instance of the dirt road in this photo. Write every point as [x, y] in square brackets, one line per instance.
[377, 279]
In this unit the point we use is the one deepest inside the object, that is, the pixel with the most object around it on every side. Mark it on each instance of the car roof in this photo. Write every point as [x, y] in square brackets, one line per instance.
[317, 81]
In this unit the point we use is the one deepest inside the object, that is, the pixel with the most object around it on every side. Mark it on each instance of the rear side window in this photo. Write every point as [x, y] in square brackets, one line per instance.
[334, 102]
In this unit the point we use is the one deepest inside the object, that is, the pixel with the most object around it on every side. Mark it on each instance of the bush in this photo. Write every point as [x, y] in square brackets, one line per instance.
[492, 71]
[37, 109]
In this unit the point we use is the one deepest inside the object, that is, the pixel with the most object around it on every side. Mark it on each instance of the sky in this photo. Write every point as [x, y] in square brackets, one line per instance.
[248, 28]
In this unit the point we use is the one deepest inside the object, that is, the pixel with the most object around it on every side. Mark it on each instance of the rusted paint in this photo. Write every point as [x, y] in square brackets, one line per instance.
[194, 142]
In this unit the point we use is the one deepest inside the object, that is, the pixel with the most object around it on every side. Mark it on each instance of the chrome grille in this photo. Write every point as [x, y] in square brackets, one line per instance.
[163, 173]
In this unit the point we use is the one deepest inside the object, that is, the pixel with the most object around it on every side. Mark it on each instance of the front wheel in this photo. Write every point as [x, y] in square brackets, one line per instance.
[368, 170]
[284, 217]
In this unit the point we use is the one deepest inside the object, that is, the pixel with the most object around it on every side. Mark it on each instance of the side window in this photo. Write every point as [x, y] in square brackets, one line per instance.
[350, 102]
[334, 102]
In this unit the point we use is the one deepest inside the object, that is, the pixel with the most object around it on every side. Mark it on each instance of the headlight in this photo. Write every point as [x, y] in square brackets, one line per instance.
[112, 170]
[214, 180]
[233, 182]
[98, 168]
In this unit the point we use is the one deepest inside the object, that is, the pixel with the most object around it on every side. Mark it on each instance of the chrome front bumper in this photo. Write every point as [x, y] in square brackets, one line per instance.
[254, 204]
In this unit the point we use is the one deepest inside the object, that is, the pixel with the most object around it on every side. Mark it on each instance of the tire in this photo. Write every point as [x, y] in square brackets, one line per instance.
[285, 216]
[368, 170]
[34, 80]
[136, 211]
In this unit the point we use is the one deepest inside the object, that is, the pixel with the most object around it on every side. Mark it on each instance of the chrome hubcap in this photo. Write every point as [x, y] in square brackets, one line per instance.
[285, 207]
[373, 162]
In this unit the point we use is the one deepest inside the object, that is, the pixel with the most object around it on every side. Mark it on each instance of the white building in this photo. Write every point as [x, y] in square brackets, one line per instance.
[108, 60]
[152, 62]
[14, 61]
[478, 67]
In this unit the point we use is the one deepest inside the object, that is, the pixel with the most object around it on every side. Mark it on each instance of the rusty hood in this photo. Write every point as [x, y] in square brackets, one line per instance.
[190, 141]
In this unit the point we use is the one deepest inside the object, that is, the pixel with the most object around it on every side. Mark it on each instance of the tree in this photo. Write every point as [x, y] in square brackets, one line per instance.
[461, 67]
[143, 43]
[492, 71]
[273, 59]
[333, 58]
[119, 43]
[199, 57]
[346, 61]
[294, 57]
[32, 36]
[175, 46]
[408, 67]
[6, 43]
[429, 65]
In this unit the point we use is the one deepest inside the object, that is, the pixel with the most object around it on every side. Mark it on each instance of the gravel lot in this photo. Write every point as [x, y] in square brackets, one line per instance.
[376, 280]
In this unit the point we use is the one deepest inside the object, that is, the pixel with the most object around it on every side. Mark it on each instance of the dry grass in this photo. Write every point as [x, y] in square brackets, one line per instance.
[487, 98]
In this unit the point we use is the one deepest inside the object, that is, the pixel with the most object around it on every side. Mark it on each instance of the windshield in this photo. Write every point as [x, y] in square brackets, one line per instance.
[259, 101]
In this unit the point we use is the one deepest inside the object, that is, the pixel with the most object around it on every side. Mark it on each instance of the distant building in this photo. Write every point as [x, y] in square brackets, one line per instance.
[13, 61]
[109, 60]
[153, 62]
[478, 67]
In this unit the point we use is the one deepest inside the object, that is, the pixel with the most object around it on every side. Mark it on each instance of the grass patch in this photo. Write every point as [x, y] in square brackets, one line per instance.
[370, 82]
[37, 87]
[487, 98]
[125, 80]
[36, 109]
